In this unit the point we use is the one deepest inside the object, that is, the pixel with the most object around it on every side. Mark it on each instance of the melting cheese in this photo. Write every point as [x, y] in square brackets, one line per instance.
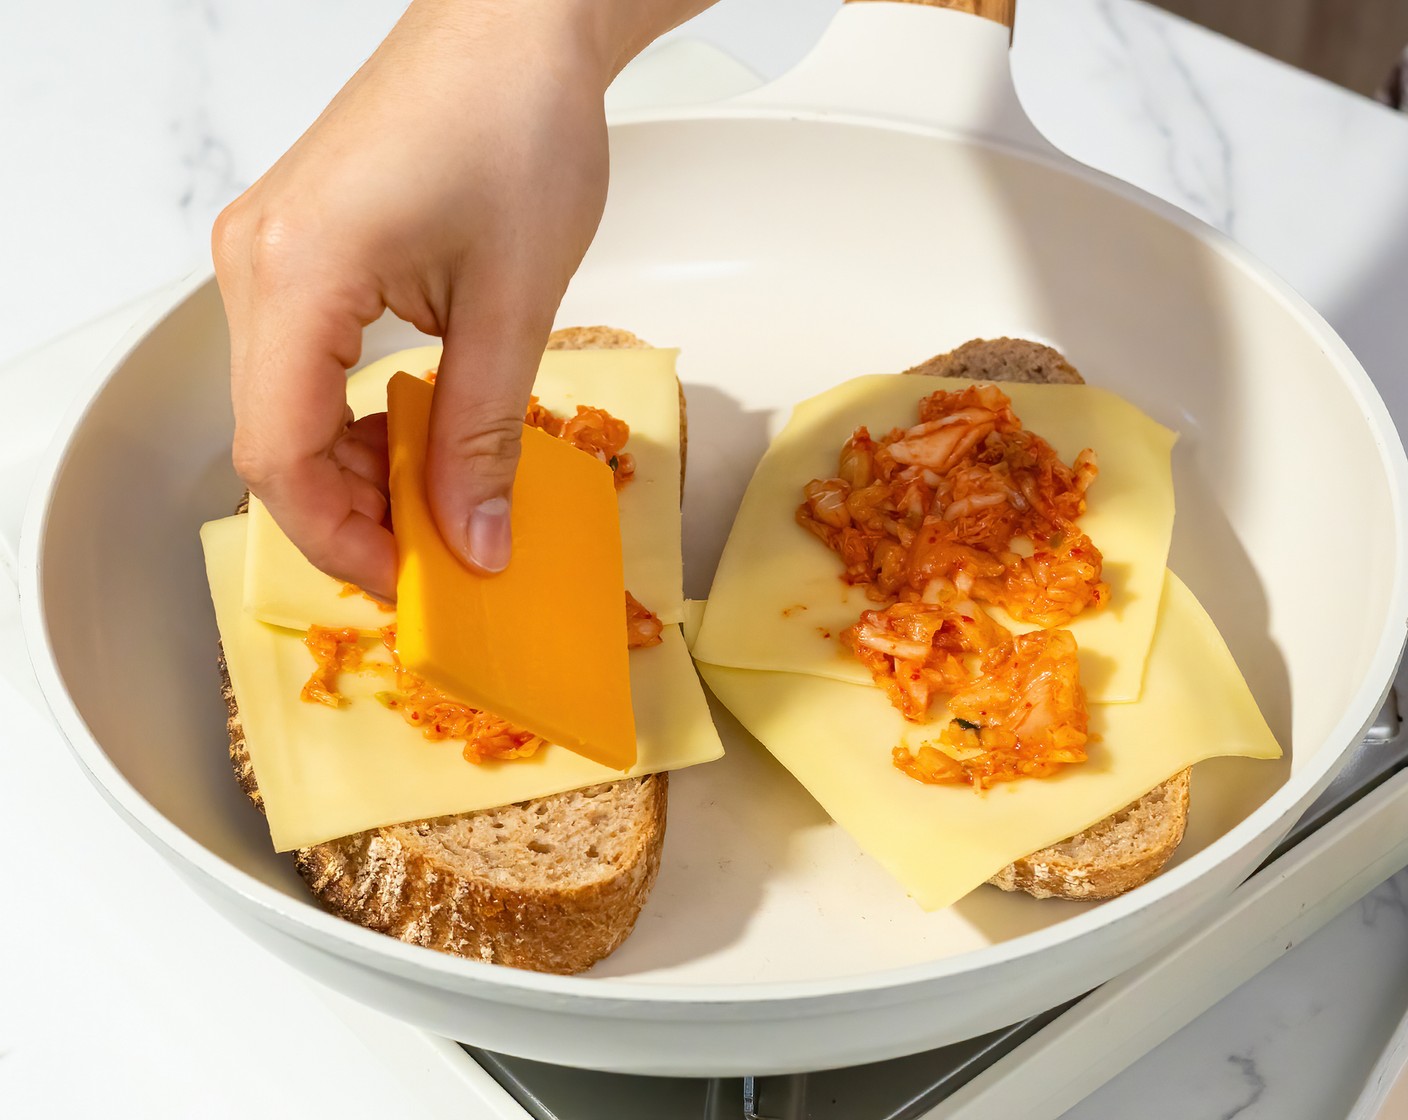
[326, 772]
[778, 602]
[940, 842]
[637, 386]
[541, 644]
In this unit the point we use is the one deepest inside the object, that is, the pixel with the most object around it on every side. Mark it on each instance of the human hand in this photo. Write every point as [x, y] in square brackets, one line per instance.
[456, 180]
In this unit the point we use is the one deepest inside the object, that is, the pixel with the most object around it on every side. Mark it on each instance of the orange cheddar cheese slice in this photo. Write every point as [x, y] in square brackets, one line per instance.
[542, 644]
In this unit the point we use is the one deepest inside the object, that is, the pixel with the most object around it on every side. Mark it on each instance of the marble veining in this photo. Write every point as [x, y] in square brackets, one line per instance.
[1256, 1085]
[209, 177]
[1173, 104]
[1387, 902]
[209, 166]
[1295, 1042]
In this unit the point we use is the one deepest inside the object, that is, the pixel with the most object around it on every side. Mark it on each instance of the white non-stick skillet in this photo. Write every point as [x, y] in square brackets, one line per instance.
[884, 201]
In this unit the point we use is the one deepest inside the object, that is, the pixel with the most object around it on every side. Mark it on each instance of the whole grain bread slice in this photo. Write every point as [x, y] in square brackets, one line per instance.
[1127, 848]
[1111, 856]
[553, 884]
[1003, 359]
[595, 338]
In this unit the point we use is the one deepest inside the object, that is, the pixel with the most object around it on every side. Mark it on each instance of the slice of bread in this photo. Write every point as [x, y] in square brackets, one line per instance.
[1111, 856]
[1130, 847]
[595, 338]
[1003, 359]
[553, 884]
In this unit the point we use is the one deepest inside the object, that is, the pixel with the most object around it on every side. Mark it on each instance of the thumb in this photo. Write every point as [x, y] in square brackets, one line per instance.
[476, 430]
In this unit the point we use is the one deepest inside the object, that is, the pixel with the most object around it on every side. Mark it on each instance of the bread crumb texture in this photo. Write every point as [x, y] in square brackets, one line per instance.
[1110, 857]
[553, 884]
[1002, 359]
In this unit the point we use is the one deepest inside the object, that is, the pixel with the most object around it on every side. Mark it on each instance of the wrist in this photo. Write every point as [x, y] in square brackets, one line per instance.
[621, 29]
[594, 38]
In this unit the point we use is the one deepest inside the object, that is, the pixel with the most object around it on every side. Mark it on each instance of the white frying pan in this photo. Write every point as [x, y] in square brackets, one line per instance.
[885, 201]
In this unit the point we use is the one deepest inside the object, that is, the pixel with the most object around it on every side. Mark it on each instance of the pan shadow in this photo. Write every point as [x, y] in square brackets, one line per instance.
[1220, 572]
[725, 442]
[722, 851]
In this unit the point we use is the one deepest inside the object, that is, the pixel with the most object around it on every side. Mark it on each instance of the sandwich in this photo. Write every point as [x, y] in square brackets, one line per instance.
[1131, 846]
[539, 862]
[804, 640]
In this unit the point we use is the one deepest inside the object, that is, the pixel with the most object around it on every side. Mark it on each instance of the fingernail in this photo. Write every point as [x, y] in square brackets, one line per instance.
[489, 536]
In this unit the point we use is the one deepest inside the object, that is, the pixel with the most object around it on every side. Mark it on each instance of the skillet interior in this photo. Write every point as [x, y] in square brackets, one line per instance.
[782, 260]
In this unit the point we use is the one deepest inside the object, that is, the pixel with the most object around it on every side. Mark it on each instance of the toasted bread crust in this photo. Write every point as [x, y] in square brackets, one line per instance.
[398, 881]
[234, 728]
[1003, 359]
[1129, 847]
[391, 881]
[402, 880]
[1110, 857]
[594, 338]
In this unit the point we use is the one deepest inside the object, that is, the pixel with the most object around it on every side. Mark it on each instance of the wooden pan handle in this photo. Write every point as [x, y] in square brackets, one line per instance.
[1000, 11]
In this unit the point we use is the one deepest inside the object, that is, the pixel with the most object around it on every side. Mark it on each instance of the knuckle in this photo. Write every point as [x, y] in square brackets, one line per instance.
[255, 238]
[229, 234]
[488, 452]
[252, 461]
[272, 241]
[497, 442]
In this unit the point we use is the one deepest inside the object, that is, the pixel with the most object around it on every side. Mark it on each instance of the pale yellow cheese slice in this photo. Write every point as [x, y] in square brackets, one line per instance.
[942, 841]
[778, 602]
[326, 773]
[638, 386]
[693, 620]
[281, 587]
[366, 387]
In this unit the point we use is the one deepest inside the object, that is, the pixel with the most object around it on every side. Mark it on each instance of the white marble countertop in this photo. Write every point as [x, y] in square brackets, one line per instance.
[126, 128]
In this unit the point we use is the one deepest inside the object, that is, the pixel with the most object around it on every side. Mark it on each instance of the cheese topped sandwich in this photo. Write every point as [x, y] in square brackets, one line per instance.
[433, 819]
[945, 608]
